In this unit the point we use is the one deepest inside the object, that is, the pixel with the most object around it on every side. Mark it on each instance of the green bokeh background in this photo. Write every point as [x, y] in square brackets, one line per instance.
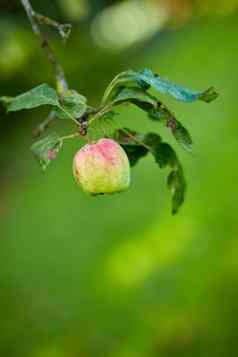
[118, 276]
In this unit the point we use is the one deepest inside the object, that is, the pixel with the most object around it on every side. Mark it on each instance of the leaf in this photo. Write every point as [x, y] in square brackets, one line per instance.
[73, 104]
[109, 115]
[122, 80]
[176, 91]
[46, 150]
[132, 144]
[165, 117]
[164, 155]
[38, 96]
[182, 136]
[177, 186]
[209, 95]
[127, 136]
[139, 145]
[136, 96]
[152, 140]
[5, 100]
[41, 95]
[73, 97]
[135, 153]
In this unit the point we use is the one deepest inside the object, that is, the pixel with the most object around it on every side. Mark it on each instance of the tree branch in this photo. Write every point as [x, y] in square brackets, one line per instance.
[36, 20]
[64, 30]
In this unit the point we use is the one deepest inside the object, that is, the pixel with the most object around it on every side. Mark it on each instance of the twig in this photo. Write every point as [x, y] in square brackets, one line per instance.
[63, 29]
[36, 20]
[71, 136]
[100, 113]
[44, 125]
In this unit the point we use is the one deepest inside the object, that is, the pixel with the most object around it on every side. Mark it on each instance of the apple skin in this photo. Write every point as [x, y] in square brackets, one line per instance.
[102, 168]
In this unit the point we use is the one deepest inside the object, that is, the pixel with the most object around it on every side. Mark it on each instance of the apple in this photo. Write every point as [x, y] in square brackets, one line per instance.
[102, 168]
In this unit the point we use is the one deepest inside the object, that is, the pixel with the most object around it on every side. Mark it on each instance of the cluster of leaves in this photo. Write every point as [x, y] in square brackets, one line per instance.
[127, 87]
[139, 145]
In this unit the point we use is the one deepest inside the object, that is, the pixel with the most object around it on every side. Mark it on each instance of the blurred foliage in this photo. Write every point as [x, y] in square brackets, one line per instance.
[117, 276]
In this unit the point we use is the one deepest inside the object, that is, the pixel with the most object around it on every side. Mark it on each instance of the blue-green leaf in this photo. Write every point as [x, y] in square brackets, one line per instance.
[176, 91]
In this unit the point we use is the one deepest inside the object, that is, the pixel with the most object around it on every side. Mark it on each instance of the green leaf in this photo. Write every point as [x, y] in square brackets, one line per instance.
[109, 115]
[122, 80]
[127, 136]
[73, 97]
[209, 95]
[165, 117]
[152, 140]
[46, 150]
[73, 104]
[177, 186]
[132, 144]
[5, 100]
[176, 91]
[139, 145]
[41, 95]
[164, 155]
[182, 136]
[135, 153]
[136, 96]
